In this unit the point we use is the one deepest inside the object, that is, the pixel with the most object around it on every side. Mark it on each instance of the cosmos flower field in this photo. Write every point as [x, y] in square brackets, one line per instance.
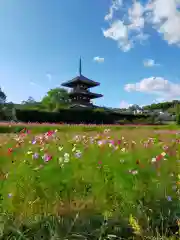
[130, 176]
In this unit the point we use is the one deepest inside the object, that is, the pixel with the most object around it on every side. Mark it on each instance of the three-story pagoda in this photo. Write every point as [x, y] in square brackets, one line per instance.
[80, 94]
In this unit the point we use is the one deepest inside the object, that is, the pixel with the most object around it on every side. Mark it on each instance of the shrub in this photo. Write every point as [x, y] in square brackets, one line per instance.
[75, 116]
[178, 119]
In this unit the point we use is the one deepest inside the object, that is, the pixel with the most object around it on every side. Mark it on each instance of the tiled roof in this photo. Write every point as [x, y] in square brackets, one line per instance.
[80, 79]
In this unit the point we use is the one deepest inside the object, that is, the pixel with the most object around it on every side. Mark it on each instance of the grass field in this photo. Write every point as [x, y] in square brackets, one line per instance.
[90, 183]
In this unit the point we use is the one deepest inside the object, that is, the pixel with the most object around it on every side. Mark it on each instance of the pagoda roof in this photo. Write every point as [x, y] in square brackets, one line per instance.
[76, 105]
[80, 79]
[85, 93]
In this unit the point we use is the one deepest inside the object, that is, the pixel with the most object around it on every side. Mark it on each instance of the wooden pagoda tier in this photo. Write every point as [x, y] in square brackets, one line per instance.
[80, 93]
[80, 80]
[84, 95]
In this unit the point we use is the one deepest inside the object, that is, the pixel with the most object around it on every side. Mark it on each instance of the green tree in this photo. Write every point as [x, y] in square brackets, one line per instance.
[30, 100]
[164, 105]
[2, 97]
[30, 103]
[2, 102]
[178, 119]
[178, 114]
[55, 99]
[9, 111]
[134, 108]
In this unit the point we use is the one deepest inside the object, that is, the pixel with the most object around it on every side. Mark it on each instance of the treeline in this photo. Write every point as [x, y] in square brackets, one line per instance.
[55, 107]
[53, 101]
[163, 105]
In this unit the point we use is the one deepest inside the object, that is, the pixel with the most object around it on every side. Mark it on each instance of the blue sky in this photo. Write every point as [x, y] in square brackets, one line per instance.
[130, 47]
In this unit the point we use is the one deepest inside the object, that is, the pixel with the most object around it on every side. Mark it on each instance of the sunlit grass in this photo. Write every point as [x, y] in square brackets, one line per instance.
[116, 175]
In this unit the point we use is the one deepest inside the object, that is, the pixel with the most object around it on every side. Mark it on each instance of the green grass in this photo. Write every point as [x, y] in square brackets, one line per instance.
[95, 183]
[39, 128]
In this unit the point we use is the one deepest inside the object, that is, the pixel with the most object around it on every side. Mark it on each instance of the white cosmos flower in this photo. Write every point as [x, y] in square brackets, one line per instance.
[74, 149]
[116, 147]
[60, 159]
[106, 130]
[100, 143]
[60, 148]
[29, 152]
[66, 160]
[134, 172]
[66, 155]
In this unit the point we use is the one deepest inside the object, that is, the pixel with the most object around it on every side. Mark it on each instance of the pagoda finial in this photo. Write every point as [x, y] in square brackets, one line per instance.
[80, 68]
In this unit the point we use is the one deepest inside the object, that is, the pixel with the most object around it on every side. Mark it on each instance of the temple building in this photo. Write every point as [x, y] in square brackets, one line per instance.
[80, 94]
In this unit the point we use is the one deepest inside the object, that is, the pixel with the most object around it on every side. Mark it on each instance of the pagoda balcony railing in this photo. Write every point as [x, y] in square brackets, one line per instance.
[79, 91]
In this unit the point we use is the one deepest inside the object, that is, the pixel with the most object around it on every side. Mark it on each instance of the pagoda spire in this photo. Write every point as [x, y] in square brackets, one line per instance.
[80, 67]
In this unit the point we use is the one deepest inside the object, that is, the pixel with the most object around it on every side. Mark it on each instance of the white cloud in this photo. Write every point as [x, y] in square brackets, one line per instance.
[155, 85]
[118, 31]
[166, 19]
[129, 29]
[136, 18]
[161, 15]
[141, 38]
[159, 100]
[116, 4]
[98, 59]
[124, 104]
[150, 63]
[49, 77]
[33, 83]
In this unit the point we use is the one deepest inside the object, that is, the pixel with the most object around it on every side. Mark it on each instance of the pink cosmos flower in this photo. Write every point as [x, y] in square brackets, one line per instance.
[119, 142]
[159, 157]
[47, 157]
